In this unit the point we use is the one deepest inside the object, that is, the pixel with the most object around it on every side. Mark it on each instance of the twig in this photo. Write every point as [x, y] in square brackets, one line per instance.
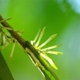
[29, 49]
[13, 33]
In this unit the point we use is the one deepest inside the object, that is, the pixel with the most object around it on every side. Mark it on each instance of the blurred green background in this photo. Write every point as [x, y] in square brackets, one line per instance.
[59, 16]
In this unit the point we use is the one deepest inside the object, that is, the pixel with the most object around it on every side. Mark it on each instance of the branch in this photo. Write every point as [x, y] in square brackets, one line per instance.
[39, 61]
[13, 33]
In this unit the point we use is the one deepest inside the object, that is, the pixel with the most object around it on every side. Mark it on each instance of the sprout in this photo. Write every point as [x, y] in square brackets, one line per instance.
[42, 50]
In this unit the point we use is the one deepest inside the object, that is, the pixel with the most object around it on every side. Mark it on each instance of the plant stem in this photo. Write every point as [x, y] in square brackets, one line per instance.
[13, 33]
[26, 44]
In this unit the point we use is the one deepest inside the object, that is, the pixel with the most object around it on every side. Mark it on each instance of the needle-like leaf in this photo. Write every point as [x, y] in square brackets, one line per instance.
[49, 48]
[41, 35]
[48, 40]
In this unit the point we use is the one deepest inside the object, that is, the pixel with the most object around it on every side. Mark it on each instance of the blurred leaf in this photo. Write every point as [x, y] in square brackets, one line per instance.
[5, 73]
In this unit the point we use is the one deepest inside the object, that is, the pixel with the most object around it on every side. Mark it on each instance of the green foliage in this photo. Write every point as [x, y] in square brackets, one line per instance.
[59, 16]
[5, 73]
[37, 53]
